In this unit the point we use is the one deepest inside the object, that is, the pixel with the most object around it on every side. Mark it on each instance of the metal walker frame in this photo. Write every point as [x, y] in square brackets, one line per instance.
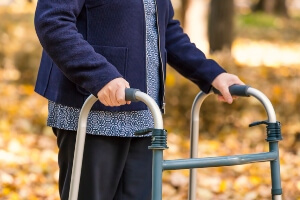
[159, 143]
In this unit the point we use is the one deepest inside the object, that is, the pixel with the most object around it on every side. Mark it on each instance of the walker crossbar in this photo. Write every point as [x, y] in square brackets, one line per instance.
[218, 161]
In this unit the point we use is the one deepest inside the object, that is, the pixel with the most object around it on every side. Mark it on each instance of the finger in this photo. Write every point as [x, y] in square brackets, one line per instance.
[221, 98]
[235, 97]
[120, 96]
[105, 103]
[227, 96]
[102, 99]
[107, 99]
[112, 98]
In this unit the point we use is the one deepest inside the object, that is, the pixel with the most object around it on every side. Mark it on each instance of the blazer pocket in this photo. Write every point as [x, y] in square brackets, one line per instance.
[44, 73]
[117, 56]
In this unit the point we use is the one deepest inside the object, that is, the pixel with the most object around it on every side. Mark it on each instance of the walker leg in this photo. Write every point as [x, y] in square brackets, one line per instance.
[275, 173]
[157, 175]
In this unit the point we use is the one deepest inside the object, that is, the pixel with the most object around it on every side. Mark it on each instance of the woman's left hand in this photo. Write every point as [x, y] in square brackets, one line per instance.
[222, 83]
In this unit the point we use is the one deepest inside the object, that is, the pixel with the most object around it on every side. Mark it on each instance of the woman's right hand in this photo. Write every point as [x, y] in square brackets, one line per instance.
[113, 93]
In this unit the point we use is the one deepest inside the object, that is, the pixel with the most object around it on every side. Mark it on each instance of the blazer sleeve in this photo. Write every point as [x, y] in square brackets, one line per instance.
[55, 24]
[186, 58]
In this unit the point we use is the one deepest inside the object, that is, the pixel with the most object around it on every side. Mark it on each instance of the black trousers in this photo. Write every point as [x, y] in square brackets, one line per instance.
[113, 168]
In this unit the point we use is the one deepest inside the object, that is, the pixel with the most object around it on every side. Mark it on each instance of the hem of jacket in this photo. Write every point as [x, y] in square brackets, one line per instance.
[78, 102]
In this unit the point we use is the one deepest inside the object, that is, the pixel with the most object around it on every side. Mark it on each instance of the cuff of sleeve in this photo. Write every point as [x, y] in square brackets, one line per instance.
[209, 77]
[94, 90]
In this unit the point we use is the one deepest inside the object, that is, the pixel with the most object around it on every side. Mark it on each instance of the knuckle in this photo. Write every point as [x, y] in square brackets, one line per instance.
[109, 88]
[120, 100]
[235, 77]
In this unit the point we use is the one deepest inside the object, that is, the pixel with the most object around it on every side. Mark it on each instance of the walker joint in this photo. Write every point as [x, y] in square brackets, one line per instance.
[273, 130]
[159, 137]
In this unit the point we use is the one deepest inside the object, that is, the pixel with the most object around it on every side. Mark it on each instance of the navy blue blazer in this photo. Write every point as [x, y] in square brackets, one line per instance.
[88, 43]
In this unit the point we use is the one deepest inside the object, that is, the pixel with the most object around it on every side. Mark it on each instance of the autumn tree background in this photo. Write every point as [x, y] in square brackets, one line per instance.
[256, 39]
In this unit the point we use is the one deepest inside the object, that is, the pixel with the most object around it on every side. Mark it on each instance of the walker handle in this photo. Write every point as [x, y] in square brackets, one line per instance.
[236, 90]
[130, 94]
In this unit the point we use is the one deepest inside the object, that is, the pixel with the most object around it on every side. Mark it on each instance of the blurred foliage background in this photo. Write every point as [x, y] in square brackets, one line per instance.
[258, 40]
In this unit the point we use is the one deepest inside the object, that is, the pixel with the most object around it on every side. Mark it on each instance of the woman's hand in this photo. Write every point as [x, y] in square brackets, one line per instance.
[113, 93]
[222, 83]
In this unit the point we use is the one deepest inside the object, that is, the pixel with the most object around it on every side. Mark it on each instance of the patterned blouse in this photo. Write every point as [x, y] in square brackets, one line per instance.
[122, 124]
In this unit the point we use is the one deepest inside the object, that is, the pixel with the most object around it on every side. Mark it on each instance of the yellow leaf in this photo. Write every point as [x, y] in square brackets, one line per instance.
[14, 196]
[298, 186]
[277, 90]
[223, 186]
[255, 180]
[5, 191]
[170, 80]
[26, 89]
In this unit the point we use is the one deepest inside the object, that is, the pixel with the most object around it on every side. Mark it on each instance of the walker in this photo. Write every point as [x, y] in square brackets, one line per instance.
[159, 143]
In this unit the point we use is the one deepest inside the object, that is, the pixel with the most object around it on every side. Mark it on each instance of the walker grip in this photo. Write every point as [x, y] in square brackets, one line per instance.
[130, 94]
[235, 90]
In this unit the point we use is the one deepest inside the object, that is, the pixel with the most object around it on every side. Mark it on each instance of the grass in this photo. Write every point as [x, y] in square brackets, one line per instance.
[263, 26]
[257, 20]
